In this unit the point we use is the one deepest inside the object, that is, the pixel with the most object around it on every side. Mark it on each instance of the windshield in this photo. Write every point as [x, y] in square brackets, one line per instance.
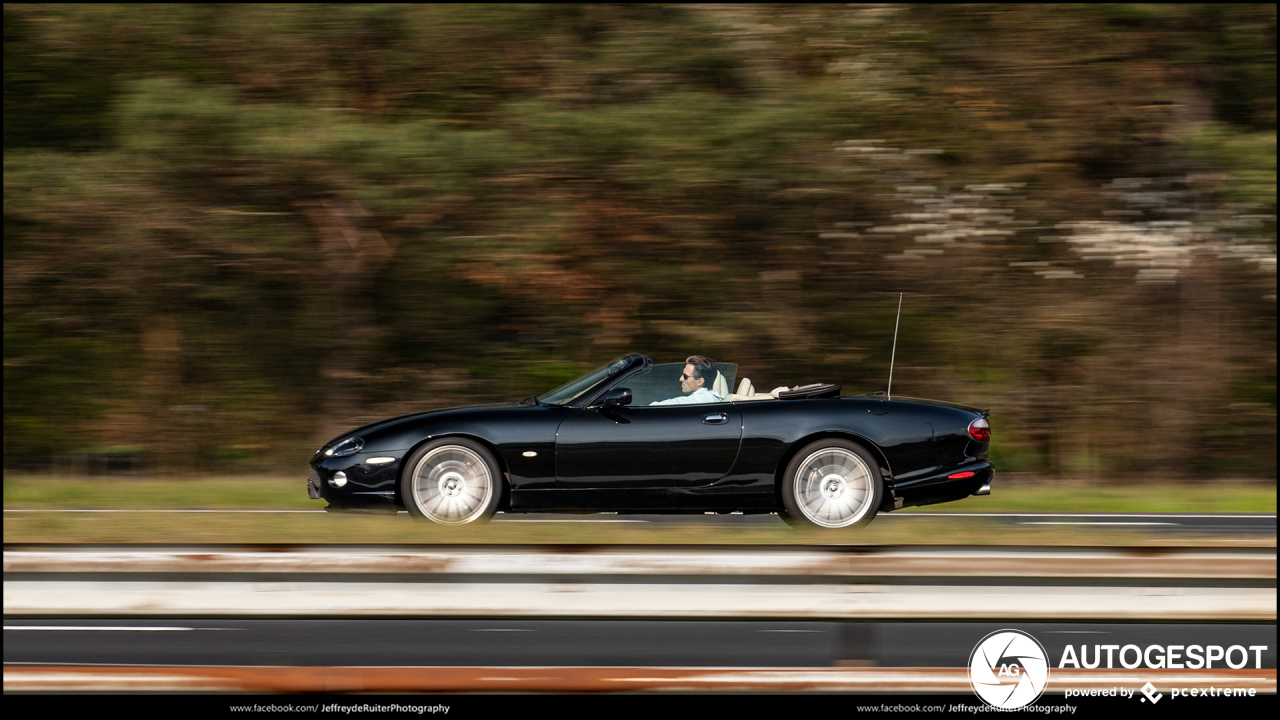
[663, 385]
[572, 389]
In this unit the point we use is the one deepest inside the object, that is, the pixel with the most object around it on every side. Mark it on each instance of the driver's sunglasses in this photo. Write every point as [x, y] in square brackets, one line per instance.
[684, 376]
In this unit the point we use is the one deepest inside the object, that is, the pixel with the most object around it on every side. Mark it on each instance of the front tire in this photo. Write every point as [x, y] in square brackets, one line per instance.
[452, 481]
[832, 484]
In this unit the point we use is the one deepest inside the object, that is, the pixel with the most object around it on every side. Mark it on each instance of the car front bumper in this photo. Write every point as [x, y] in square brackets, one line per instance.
[372, 480]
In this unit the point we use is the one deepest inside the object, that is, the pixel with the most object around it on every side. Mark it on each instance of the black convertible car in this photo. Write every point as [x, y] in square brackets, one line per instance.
[632, 436]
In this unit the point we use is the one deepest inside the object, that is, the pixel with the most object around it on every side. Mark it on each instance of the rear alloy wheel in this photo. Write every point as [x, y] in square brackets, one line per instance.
[452, 481]
[832, 484]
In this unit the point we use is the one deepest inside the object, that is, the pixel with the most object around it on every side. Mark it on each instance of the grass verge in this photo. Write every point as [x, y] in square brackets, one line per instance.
[36, 493]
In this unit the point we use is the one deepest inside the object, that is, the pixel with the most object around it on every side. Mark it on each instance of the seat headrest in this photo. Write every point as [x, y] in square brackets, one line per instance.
[720, 387]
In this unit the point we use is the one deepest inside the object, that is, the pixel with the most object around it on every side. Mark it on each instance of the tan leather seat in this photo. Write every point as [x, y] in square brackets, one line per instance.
[721, 386]
[747, 393]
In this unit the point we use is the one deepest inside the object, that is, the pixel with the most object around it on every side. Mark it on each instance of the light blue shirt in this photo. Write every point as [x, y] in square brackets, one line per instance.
[701, 396]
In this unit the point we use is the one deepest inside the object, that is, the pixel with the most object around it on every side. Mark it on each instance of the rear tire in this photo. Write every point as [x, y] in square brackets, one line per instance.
[452, 481]
[832, 484]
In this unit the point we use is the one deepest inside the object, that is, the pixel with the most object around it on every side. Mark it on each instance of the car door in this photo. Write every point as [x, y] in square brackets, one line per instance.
[668, 446]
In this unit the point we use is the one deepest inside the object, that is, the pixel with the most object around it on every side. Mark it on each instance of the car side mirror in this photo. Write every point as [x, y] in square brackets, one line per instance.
[617, 396]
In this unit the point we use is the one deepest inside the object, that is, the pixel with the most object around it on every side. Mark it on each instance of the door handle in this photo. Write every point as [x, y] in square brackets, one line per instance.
[716, 419]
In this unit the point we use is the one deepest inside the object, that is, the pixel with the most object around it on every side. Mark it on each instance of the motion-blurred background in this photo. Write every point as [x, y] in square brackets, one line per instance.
[231, 232]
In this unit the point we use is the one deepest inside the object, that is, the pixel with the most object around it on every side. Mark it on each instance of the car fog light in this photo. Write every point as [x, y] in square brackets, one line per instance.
[339, 479]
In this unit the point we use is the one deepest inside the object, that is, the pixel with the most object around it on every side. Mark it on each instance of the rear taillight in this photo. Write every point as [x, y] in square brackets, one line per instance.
[980, 430]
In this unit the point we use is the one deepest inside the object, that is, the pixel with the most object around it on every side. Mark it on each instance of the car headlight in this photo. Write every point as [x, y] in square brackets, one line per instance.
[350, 446]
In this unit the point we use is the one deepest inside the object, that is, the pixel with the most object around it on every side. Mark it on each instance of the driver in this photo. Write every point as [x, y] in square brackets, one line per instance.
[696, 382]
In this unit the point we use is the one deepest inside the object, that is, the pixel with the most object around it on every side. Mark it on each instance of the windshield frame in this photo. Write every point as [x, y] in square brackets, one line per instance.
[582, 389]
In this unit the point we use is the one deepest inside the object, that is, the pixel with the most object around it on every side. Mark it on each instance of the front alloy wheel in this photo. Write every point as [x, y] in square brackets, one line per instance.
[832, 484]
[452, 482]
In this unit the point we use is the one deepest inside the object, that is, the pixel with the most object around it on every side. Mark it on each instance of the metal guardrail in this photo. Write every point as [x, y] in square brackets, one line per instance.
[645, 582]
[904, 562]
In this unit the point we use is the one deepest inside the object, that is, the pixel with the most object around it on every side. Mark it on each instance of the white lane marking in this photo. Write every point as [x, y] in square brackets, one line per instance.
[1098, 523]
[111, 628]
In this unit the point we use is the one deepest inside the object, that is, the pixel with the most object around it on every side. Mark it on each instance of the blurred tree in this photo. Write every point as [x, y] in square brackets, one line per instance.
[231, 231]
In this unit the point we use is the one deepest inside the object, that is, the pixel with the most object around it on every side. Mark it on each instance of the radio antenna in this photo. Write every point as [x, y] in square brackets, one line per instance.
[889, 394]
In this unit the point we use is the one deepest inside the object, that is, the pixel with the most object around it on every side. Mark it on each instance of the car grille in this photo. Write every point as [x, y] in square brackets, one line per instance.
[313, 484]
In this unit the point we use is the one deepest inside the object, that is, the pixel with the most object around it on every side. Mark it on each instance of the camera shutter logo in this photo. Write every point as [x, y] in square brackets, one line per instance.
[1009, 669]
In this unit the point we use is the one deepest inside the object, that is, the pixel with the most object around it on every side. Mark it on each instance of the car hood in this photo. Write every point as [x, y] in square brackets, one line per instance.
[379, 425]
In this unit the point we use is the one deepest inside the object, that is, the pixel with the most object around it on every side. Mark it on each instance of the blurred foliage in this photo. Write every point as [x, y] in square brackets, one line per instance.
[234, 231]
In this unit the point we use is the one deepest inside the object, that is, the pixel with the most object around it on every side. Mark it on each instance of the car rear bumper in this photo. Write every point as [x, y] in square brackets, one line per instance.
[952, 484]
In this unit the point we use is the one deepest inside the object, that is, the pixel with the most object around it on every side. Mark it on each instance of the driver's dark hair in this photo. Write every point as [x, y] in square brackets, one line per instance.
[703, 367]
